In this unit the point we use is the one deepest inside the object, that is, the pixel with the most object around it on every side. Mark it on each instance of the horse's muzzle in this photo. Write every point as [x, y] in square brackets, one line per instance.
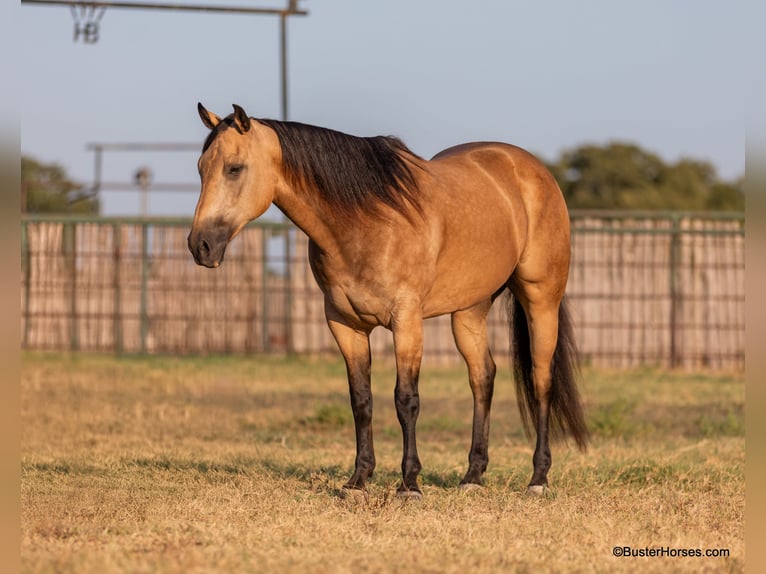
[208, 246]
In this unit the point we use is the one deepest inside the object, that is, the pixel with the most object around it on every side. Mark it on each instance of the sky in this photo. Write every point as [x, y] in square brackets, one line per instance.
[548, 76]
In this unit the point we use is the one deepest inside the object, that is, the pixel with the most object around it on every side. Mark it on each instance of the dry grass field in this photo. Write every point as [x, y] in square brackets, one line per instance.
[234, 465]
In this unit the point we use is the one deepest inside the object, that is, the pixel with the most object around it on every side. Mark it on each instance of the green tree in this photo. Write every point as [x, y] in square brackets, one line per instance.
[46, 188]
[617, 176]
[687, 184]
[624, 176]
[727, 196]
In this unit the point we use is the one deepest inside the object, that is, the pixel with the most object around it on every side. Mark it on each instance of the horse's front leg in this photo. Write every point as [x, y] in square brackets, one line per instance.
[408, 347]
[354, 344]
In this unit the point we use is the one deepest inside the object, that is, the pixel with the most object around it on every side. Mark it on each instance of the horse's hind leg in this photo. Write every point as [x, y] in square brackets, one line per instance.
[469, 328]
[536, 336]
[545, 370]
[543, 334]
[355, 347]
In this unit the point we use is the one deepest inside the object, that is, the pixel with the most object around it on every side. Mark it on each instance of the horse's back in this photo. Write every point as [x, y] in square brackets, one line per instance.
[478, 171]
[514, 172]
[520, 170]
[478, 146]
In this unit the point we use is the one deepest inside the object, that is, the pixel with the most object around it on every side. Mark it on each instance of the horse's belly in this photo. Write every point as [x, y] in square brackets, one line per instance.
[464, 282]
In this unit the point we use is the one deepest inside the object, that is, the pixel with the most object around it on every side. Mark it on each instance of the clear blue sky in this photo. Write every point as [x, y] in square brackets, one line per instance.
[549, 75]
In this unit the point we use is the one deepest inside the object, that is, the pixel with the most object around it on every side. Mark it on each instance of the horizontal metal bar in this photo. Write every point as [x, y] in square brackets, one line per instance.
[144, 146]
[136, 220]
[129, 186]
[647, 356]
[101, 220]
[644, 231]
[291, 10]
[654, 214]
[651, 297]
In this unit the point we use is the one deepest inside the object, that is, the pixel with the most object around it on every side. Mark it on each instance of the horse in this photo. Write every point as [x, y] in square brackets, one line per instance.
[395, 239]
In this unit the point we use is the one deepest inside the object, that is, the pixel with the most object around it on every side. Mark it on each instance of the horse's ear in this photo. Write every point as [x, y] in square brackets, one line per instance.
[208, 118]
[243, 121]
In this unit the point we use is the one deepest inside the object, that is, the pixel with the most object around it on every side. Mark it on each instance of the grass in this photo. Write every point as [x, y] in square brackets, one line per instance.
[234, 465]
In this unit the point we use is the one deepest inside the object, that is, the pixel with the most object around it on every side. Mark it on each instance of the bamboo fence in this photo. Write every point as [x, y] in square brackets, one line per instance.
[645, 289]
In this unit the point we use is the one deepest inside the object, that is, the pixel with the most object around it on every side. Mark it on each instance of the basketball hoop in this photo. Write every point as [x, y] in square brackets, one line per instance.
[87, 18]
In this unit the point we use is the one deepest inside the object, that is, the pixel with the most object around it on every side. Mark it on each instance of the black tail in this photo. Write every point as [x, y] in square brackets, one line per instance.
[566, 413]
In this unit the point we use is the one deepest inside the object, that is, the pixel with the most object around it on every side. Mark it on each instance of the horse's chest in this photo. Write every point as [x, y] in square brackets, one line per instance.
[357, 292]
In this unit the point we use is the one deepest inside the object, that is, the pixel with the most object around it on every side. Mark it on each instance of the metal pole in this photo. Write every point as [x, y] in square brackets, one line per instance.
[26, 261]
[283, 56]
[144, 209]
[289, 287]
[266, 344]
[98, 159]
[675, 292]
[117, 262]
[97, 166]
[144, 281]
[70, 251]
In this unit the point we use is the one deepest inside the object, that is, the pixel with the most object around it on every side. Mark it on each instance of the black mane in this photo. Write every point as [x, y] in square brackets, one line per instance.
[350, 174]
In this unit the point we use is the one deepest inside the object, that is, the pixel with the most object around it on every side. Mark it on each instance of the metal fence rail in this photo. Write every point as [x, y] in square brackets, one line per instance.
[659, 289]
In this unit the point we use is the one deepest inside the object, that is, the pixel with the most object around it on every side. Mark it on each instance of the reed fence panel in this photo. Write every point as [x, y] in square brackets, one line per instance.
[645, 289]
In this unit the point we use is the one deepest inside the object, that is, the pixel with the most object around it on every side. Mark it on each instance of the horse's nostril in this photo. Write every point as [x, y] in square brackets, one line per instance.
[204, 246]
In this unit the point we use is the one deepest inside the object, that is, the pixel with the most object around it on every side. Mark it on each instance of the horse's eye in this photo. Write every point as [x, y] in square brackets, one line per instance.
[234, 170]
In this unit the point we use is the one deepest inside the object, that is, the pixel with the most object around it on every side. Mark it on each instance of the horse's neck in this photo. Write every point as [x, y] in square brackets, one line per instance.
[310, 216]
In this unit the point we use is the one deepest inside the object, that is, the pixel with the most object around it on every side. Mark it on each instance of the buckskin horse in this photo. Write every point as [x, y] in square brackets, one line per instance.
[395, 239]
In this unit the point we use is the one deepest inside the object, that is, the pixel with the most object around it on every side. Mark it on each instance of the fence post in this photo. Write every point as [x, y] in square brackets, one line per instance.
[144, 282]
[289, 286]
[26, 263]
[70, 256]
[117, 261]
[265, 292]
[675, 291]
